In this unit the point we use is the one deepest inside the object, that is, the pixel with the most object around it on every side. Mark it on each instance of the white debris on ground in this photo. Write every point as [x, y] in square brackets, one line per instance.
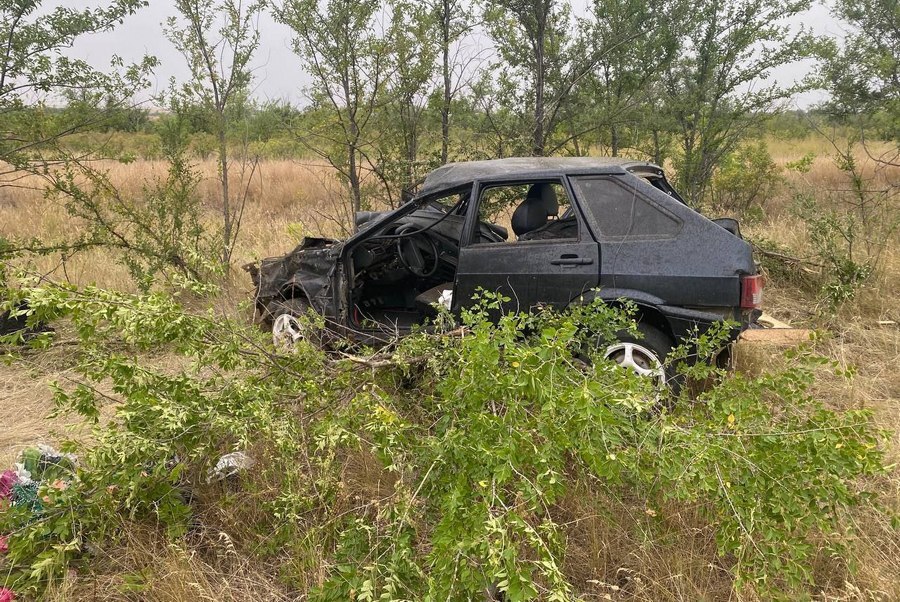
[229, 465]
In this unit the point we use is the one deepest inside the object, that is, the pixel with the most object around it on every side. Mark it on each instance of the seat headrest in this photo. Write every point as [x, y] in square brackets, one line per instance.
[532, 213]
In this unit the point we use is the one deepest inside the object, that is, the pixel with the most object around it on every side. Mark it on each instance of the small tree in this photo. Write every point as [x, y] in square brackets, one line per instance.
[863, 75]
[157, 233]
[453, 22]
[637, 44]
[342, 49]
[537, 52]
[410, 78]
[717, 89]
[219, 61]
[33, 73]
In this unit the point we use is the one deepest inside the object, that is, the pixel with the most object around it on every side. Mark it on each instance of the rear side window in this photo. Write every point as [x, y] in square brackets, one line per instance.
[548, 218]
[621, 212]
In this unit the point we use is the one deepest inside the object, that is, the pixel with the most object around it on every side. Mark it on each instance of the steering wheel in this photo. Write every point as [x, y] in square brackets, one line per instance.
[412, 248]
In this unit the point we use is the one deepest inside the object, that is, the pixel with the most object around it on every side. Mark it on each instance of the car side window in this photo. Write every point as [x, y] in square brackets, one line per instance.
[622, 212]
[530, 211]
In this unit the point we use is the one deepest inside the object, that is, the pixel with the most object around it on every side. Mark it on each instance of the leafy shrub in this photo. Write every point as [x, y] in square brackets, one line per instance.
[745, 179]
[801, 165]
[158, 234]
[833, 236]
[476, 438]
[280, 147]
[848, 227]
[115, 145]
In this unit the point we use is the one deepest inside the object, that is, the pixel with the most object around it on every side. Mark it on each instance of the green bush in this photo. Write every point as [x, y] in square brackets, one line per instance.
[745, 179]
[849, 227]
[833, 235]
[477, 438]
[278, 147]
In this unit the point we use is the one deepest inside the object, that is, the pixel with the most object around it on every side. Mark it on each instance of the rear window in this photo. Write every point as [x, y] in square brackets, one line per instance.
[622, 212]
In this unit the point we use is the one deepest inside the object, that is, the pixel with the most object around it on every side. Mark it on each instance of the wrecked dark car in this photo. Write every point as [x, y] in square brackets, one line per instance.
[541, 231]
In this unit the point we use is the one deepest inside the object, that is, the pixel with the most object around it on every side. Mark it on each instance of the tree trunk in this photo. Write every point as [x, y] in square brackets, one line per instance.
[614, 140]
[351, 133]
[355, 195]
[412, 149]
[445, 106]
[657, 151]
[538, 142]
[690, 177]
[353, 170]
[537, 148]
[226, 205]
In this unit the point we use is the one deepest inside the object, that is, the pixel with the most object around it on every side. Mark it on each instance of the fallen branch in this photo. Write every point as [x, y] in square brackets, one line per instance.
[787, 258]
[383, 361]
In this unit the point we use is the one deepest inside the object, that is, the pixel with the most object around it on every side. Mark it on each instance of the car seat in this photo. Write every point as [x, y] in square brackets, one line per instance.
[534, 212]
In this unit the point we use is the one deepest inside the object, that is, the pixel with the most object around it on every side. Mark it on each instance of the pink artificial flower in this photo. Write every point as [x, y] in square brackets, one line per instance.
[4, 545]
[7, 480]
[7, 595]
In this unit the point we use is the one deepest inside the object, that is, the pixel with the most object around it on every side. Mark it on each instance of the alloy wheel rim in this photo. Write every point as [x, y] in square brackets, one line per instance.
[286, 332]
[638, 359]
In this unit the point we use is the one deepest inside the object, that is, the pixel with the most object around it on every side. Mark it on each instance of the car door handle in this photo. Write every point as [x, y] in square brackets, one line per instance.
[572, 260]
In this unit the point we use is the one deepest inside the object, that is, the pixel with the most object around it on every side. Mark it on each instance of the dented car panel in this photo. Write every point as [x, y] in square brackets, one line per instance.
[307, 271]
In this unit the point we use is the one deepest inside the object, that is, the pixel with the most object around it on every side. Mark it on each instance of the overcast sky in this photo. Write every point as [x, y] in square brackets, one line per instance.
[279, 74]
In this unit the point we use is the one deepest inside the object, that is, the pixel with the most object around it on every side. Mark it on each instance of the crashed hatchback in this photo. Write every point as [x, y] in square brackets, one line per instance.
[540, 231]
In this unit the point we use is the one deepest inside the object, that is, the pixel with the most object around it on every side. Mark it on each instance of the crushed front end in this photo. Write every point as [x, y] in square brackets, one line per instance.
[305, 272]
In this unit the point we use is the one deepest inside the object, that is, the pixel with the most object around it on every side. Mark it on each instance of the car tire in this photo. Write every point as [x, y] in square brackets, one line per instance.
[287, 329]
[646, 355]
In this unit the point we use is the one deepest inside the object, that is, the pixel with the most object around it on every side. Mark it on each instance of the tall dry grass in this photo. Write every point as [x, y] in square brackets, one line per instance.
[285, 200]
[145, 566]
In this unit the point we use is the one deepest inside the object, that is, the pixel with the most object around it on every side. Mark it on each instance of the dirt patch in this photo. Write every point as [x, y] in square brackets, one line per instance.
[26, 400]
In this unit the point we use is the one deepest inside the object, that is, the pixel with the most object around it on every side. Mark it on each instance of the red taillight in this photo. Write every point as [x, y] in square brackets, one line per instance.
[751, 292]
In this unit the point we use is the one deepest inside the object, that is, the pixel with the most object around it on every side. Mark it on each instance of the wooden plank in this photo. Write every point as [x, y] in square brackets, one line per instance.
[770, 322]
[776, 336]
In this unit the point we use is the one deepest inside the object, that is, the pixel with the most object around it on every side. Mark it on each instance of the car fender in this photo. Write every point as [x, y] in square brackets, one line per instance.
[676, 322]
[294, 288]
[611, 295]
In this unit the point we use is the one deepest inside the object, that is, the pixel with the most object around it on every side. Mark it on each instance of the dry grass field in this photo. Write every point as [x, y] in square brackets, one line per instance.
[288, 199]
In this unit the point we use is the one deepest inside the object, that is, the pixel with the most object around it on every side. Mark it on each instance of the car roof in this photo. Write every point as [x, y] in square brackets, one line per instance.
[455, 175]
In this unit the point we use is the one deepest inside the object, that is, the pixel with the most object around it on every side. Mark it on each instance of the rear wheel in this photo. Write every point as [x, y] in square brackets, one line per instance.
[287, 329]
[645, 356]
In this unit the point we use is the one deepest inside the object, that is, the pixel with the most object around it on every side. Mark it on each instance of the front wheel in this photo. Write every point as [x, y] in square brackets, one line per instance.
[287, 329]
[645, 356]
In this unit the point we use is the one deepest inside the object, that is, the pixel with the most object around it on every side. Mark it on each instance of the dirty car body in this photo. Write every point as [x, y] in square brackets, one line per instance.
[580, 228]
